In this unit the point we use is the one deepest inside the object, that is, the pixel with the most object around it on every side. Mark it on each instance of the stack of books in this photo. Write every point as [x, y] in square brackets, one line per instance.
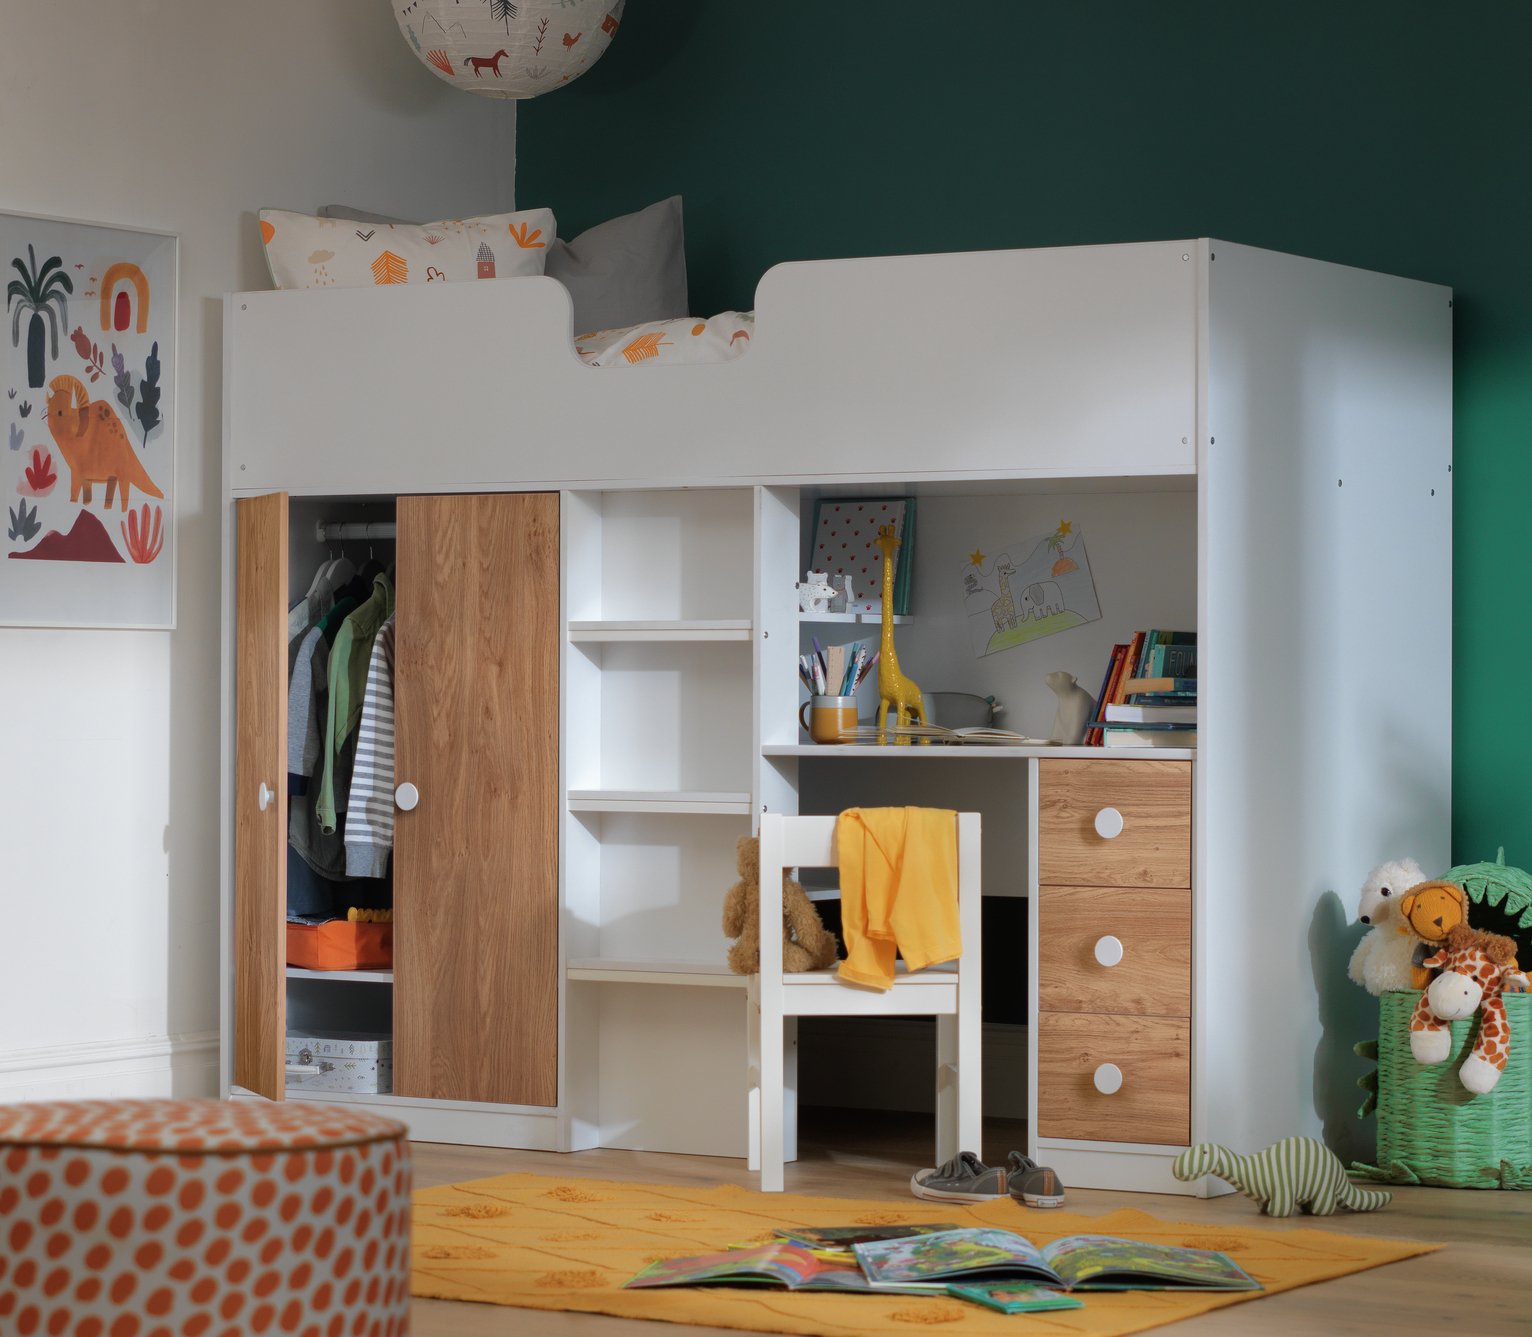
[1148, 697]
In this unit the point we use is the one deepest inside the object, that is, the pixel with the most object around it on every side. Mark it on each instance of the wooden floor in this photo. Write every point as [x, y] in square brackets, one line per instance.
[1481, 1283]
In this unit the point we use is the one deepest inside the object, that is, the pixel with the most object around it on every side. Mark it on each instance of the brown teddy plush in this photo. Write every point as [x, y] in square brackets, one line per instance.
[806, 944]
[1433, 910]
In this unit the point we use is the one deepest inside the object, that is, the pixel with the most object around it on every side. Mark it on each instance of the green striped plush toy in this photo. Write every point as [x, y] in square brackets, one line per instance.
[1295, 1174]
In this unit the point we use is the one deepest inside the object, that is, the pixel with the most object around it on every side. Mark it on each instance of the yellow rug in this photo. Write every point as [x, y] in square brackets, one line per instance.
[541, 1242]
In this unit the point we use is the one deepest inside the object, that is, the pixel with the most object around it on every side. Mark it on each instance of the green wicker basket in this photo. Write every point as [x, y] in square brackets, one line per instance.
[1431, 1129]
[1507, 889]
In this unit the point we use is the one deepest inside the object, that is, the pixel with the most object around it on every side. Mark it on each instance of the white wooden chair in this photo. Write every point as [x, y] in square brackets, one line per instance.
[950, 993]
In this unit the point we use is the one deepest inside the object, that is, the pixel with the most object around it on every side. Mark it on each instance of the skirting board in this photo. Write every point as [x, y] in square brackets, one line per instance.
[156, 1066]
[890, 1063]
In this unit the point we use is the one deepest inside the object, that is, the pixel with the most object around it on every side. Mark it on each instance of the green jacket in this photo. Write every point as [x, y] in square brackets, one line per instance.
[349, 657]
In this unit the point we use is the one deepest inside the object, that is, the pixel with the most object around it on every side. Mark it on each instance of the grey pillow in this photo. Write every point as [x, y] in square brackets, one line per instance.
[624, 271]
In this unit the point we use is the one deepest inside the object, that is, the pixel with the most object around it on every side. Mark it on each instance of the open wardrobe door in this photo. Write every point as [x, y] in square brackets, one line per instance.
[476, 708]
[260, 795]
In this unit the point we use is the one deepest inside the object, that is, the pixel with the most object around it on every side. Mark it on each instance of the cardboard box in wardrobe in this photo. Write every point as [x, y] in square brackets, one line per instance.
[340, 1061]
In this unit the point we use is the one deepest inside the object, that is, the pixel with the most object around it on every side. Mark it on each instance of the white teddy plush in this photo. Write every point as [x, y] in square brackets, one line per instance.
[1383, 959]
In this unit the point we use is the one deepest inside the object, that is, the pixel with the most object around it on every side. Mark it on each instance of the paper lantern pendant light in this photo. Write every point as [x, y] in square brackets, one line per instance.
[508, 48]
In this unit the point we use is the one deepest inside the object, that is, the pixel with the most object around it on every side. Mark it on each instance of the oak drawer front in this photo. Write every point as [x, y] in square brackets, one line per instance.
[1109, 949]
[1152, 1055]
[1079, 800]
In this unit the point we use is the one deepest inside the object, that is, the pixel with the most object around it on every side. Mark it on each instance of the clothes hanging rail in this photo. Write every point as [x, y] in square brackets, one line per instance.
[336, 531]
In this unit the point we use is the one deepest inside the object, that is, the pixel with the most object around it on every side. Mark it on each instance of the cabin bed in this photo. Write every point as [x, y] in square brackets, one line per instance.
[1262, 444]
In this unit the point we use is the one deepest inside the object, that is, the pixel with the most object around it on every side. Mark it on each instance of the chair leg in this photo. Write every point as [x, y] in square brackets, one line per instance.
[947, 1140]
[753, 1076]
[970, 1081]
[790, 1090]
[771, 1097]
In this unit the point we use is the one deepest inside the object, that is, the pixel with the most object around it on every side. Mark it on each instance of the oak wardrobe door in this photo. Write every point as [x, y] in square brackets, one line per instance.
[260, 794]
[476, 861]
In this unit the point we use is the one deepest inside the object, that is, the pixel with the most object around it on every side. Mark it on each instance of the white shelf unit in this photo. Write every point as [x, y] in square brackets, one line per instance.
[697, 629]
[858, 619]
[694, 974]
[659, 800]
[659, 775]
[342, 976]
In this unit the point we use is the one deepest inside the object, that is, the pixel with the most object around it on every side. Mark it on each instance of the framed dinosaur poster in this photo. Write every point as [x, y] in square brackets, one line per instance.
[87, 370]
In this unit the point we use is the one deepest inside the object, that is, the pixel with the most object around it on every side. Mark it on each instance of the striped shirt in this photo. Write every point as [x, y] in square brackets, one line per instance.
[370, 816]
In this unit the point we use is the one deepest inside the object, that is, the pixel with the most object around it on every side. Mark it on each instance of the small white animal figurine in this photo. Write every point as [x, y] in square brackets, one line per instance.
[1384, 959]
[1077, 708]
[815, 593]
[844, 597]
[1040, 600]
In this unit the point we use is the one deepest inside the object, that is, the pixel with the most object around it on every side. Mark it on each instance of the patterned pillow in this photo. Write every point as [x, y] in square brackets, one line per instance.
[720, 338]
[306, 252]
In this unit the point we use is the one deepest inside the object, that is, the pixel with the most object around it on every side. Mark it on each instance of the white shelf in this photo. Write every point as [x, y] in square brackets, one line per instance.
[660, 800]
[712, 629]
[695, 974]
[863, 619]
[969, 751]
[362, 976]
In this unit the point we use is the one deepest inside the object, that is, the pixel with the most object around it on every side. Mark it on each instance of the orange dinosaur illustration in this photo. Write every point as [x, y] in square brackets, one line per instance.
[94, 443]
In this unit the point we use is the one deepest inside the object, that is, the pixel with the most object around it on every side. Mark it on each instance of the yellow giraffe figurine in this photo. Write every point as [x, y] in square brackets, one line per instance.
[894, 689]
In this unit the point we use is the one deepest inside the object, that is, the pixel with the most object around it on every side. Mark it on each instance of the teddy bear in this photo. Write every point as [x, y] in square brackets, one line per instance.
[1433, 910]
[1385, 958]
[806, 943]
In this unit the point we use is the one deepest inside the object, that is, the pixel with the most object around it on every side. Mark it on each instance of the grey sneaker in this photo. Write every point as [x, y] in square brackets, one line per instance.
[1033, 1184]
[965, 1178]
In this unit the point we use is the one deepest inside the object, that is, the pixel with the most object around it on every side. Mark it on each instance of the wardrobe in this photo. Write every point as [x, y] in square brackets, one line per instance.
[597, 688]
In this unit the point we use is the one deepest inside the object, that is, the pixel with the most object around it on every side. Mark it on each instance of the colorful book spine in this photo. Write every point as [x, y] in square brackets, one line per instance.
[1115, 670]
[1135, 685]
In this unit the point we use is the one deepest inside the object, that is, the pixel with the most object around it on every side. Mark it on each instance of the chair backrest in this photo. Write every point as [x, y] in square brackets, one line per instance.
[809, 842]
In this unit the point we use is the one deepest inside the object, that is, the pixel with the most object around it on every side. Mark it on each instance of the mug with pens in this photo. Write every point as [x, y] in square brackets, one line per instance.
[832, 677]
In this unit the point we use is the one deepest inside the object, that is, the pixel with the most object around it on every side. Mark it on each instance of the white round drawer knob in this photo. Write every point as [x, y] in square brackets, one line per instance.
[406, 797]
[1108, 950]
[264, 796]
[1108, 1079]
[1109, 824]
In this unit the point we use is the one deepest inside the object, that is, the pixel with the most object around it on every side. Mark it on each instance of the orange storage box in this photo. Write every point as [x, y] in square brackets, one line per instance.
[340, 945]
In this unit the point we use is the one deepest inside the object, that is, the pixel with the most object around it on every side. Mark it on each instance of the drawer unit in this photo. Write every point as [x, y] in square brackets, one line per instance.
[1112, 1078]
[1115, 823]
[1111, 949]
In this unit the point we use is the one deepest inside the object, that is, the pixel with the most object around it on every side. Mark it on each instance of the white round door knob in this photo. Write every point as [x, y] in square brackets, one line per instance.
[1107, 1079]
[406, 797]
[1109, 824]
[1108, 950]
[264, 796]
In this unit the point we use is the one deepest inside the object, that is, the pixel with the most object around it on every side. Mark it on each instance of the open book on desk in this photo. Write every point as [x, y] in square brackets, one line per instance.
[1077, 1262]
[936, 733]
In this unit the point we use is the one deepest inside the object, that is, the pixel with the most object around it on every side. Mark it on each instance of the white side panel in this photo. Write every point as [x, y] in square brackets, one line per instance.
[672, 1069]
[1079, 360]
[1324, 663]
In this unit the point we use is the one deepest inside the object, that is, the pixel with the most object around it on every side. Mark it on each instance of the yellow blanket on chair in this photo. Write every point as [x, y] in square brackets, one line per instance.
[898, 891]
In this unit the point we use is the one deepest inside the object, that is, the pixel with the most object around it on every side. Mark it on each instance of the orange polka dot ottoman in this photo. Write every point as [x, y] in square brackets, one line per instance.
[178, 1218]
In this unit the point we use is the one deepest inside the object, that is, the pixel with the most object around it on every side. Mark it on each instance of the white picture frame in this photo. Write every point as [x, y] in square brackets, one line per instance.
[88, 424]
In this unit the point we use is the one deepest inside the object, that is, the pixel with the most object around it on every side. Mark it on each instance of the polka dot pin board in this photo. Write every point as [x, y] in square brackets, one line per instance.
[845, 544]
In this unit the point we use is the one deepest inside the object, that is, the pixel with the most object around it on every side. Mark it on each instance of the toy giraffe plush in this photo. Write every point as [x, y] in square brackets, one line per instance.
[894, 689]
[1295, 1174]
[1476, 967]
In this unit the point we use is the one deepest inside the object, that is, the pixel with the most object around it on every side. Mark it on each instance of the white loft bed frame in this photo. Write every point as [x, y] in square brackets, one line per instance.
[1308, 404]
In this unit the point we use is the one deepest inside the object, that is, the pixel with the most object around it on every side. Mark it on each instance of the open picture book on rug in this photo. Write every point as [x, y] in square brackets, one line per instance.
[780, 1263]
[1077, 1262]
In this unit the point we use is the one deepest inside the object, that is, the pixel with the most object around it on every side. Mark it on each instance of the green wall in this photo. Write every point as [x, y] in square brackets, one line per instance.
[1390, 134]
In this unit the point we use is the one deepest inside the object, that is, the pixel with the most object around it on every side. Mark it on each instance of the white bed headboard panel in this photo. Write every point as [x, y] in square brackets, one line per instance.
[1074, 361]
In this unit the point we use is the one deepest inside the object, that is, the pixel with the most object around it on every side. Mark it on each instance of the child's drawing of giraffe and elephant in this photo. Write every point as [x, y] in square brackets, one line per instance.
[1017, 592]
[87, 370]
